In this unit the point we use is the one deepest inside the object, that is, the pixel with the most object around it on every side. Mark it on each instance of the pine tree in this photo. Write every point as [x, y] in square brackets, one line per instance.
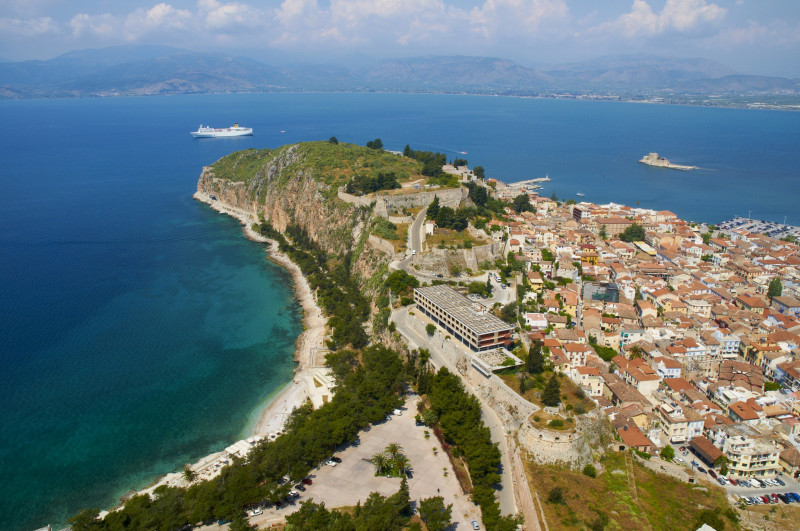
[522, 382]
[534, 364]
[401, 500]
[775, 288]
[433, 208]
[551, 396]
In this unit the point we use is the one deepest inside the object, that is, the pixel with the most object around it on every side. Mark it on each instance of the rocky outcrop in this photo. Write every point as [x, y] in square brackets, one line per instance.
[283, 187]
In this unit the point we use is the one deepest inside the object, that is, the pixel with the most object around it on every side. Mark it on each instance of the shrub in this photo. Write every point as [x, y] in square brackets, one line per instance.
[556, 423]
[590, 470]
[668, 453]
[556, 495]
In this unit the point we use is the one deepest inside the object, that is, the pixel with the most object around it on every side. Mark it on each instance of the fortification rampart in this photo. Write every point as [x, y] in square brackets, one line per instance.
[386, 204]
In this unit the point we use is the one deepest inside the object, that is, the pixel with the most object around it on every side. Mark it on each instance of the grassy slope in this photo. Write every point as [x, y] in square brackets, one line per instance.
[663, 503]
[333, 164]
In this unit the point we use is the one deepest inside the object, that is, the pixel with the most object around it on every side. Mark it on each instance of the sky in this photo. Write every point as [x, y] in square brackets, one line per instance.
[749, 36]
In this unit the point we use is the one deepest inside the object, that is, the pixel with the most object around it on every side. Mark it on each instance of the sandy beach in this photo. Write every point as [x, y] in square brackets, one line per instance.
[295, 394]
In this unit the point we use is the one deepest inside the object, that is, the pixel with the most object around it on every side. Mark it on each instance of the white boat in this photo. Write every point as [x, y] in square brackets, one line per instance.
[580, 194]
[210, 132]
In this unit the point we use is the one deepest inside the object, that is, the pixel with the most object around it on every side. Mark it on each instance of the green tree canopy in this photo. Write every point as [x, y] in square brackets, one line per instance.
[508, 313]
[479, 172]
[375, 144]
[522, 203]
[478, 194]
[445, 217]
[634, 233]
[400, 282]
[433, 208]
[333, 140]
[433, 512]
[775, 288]
[668, 453]
[534, 363]
[551, 396]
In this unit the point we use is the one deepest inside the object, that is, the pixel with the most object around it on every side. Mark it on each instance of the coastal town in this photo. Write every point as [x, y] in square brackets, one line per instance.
[686, 336]
[594, 341]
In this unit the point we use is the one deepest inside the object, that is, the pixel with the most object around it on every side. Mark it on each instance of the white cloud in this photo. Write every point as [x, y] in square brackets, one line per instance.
[105, 25]
[677, 15]
[30, 27]
[384, 23]
[218, 16]
[159, 17]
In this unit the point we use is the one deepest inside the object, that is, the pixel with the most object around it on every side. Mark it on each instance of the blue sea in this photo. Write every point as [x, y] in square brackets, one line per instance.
[140, 330]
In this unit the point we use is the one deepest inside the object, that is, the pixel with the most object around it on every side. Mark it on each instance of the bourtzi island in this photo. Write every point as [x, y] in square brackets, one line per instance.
[478, 356]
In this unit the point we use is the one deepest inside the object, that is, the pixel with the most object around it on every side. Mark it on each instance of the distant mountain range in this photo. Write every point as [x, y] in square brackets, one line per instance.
[143, 70]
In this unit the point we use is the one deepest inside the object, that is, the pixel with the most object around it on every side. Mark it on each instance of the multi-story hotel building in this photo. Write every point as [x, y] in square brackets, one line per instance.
[751, 457]
[467, 321]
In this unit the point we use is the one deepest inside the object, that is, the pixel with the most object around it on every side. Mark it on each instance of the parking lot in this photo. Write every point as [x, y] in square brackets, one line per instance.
[354, 478]
[688, 459]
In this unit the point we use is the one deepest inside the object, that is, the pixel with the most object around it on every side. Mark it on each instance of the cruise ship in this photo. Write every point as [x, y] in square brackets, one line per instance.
[210, 132]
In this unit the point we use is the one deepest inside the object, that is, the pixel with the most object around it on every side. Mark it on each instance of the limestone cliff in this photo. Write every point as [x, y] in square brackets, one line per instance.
[298, 184]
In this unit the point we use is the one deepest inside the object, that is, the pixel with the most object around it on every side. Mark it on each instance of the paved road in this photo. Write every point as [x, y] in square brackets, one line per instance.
[496, 427]
[415, 231]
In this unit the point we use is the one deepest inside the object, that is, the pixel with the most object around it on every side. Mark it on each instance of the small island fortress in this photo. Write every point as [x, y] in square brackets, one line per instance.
[652, 159]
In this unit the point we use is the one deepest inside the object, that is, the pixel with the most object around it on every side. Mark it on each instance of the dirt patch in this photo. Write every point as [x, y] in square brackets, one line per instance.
[658, 503]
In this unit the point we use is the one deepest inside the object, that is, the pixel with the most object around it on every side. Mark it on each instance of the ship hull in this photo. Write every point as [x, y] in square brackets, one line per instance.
[210, 132]
[195, 134]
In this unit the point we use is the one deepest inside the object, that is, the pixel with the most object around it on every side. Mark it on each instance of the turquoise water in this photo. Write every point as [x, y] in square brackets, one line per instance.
[140, 329]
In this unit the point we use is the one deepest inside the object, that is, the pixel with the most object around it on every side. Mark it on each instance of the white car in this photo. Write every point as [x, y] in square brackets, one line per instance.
[294, 493]
[330, 463]
[255, 512]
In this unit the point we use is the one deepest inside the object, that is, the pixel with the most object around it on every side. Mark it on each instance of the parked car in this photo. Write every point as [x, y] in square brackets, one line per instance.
[336, 459]
[330, 462]
[780, 482]
[712, 473]
[307, 481]
[701, 470]
[733, 481]
[300, 486]
[475, 525]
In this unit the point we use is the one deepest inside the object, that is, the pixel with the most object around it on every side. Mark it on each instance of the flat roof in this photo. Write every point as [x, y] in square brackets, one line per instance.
[461, 308]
